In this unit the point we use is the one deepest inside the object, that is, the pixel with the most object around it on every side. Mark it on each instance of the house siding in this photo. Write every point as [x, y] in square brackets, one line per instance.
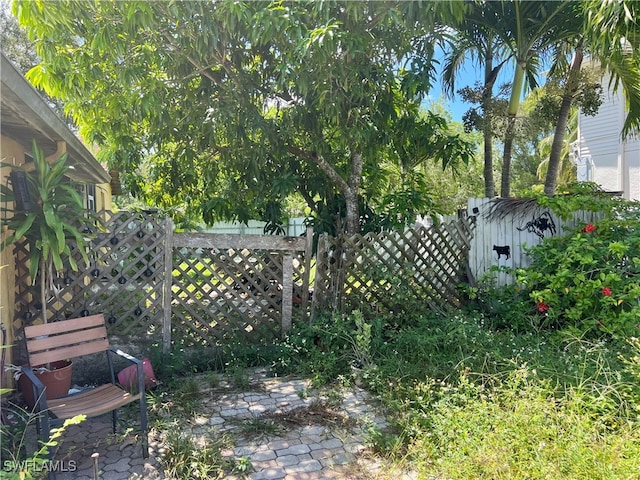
[10, 152]
[615, 163]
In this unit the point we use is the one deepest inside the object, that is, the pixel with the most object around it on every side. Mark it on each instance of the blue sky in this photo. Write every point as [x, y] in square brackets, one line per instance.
[468, 75]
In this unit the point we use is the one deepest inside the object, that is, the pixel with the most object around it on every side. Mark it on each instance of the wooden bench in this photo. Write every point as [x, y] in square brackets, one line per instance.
[68, 339]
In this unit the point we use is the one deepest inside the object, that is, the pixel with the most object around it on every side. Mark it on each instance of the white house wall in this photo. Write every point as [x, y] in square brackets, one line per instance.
[615, 165]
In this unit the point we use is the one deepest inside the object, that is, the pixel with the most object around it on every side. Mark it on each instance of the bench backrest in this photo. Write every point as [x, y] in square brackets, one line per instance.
[66, 339]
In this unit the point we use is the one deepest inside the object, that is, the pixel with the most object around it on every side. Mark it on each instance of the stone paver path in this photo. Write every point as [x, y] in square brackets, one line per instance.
[280, 426]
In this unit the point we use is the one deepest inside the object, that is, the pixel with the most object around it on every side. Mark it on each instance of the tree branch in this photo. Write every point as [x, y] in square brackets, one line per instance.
[325, 166]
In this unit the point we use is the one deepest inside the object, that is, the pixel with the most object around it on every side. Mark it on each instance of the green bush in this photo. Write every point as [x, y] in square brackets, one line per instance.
[589, 279]
[320, 350]
[506, 306]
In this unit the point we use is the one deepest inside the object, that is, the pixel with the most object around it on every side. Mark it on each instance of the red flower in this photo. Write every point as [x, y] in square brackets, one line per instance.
[542, 307]
[606, 291]
[590, 227]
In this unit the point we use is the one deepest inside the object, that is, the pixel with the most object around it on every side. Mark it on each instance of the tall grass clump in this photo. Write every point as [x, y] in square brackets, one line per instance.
[521, 427]
[184, 458]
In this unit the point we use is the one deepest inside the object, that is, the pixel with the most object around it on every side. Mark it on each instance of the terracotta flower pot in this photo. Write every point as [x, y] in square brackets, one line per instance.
[57, 382]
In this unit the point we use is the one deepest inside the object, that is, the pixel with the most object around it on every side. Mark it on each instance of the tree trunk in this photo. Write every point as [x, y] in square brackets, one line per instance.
[505, 180]
[555, 156]
[351, 195]
[487, 129]
[489, 184]
[348, 188]
[352, 214]
[514, 104]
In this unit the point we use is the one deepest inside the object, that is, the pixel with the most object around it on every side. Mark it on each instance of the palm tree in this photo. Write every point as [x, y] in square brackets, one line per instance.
[566, 171]
[529, 31]
[609, 35]
[473, 39]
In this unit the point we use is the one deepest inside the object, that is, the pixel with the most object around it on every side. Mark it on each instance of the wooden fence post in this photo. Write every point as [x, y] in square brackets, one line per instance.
[308, 253]
[287, 292]
[168, 282]
[319, 285]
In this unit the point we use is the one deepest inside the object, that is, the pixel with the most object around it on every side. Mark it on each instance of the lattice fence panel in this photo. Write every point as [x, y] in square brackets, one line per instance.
[123, 279]
[371, 269]
[223, 293]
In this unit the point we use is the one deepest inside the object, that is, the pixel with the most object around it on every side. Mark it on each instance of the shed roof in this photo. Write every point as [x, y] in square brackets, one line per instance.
[25, 116]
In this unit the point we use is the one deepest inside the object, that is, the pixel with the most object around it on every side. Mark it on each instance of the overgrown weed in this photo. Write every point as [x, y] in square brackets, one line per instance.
[183, 458]
[468, 400]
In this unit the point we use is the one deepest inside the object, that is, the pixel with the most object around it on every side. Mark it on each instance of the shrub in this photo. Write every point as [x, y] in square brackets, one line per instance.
[320, 349]
[507, 306]
[589, 279]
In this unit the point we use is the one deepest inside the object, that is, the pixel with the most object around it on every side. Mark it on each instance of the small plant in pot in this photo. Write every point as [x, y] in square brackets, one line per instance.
[48, 214]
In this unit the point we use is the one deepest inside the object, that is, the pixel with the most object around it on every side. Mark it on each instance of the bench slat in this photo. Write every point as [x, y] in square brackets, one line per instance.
[63, 326]
[52, 342]
[91, 403]
[42, 358]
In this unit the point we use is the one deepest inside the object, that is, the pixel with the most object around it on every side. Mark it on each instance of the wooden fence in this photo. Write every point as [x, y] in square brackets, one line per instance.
[206, 289]
[230, 287]
[505, 228]
[124, 279]
[425, 264]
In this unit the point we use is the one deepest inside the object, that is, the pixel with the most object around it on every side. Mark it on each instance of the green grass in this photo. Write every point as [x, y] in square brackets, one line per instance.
[184, 459]
[521, 429]
[468, 401]
[465, 399]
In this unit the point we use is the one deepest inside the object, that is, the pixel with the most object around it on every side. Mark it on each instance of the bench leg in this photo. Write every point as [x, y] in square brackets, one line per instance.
[45, 428]
[143, 426]
[114, 420]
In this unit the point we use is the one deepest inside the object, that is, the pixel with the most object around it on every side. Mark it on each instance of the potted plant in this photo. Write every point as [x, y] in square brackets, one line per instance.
[48, 214]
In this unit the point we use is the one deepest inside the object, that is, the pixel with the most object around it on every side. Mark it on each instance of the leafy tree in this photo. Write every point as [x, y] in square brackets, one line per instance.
[230, 107]
[15, 44]
[21, 51]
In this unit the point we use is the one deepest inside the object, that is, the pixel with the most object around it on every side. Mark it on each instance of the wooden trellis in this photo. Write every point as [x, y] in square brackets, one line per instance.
[427, 263]
[236, 287]
[208, 289]
[124, 279]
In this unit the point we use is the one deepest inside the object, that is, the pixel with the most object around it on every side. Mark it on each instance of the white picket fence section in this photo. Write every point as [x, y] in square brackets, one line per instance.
[501, 238]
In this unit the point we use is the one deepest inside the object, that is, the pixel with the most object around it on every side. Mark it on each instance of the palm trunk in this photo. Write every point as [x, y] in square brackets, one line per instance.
[487, 130]
[489, 184]
[555, 156]
[505, 180]
[514, 104]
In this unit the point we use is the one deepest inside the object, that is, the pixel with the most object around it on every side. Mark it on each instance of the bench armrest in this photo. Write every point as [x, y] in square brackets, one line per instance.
[126, 356]
[139, 367]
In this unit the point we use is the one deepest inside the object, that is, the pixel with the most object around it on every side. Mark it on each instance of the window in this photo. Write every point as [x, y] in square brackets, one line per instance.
[91, 198]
